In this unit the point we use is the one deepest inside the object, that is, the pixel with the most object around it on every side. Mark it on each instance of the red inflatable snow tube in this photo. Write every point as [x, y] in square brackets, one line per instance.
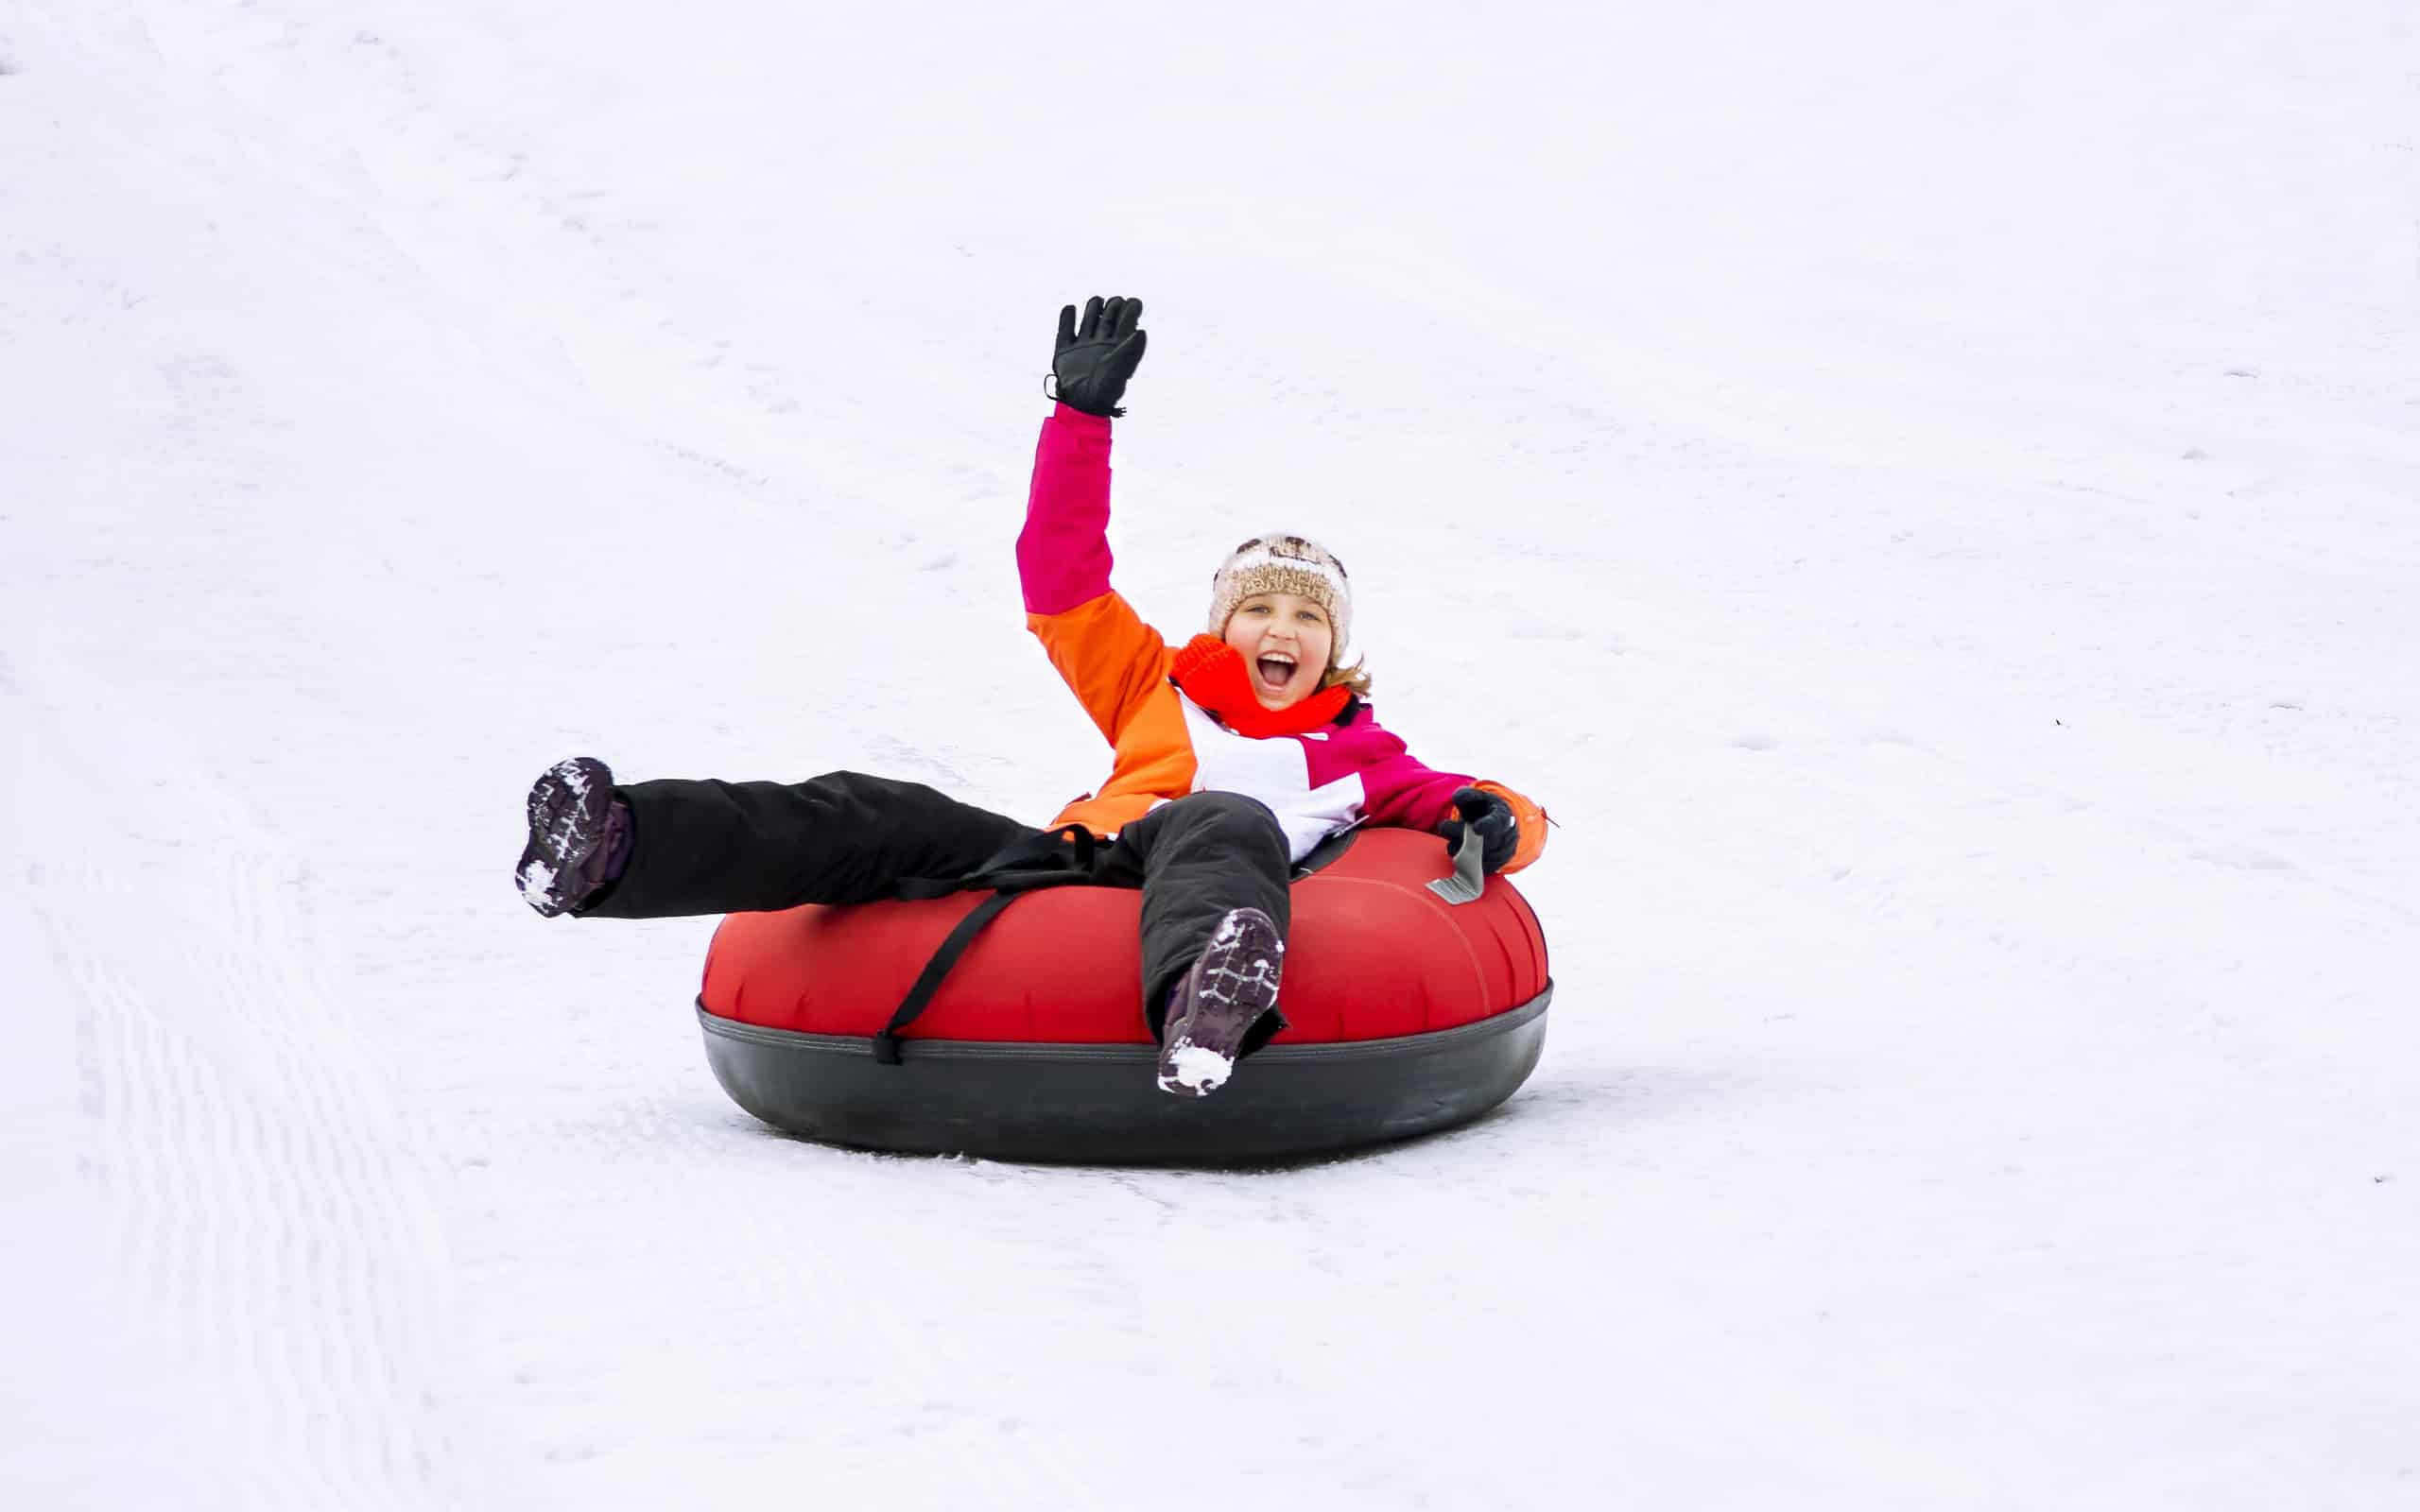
[1407, 1013]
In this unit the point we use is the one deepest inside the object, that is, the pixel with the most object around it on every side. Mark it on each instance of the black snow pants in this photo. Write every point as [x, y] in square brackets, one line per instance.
[721, 847]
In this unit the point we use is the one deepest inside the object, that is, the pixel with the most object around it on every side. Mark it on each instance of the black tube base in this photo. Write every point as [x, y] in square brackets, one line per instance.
[1100, 1105]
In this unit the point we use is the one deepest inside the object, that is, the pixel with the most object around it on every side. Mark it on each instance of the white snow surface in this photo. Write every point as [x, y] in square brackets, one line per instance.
[1926, 494]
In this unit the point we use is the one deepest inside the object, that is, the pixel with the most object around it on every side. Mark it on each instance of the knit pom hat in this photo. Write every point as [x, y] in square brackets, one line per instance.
[1283, 564]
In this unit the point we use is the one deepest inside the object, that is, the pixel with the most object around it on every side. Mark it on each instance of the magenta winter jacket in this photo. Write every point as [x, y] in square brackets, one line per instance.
[1348, 772]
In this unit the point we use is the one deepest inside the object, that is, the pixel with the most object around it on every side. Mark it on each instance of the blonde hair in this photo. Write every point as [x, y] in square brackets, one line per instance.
[1356, 677]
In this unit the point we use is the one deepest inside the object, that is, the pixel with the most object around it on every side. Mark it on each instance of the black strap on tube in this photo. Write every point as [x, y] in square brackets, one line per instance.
[1055, 858]
[886, 1044]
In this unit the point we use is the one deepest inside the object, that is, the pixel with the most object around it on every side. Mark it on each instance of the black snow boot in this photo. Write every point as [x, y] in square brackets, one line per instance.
[580, 837]
[1215, 1007]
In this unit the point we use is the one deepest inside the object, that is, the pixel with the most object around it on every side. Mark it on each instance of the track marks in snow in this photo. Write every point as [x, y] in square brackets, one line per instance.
[273, 1295]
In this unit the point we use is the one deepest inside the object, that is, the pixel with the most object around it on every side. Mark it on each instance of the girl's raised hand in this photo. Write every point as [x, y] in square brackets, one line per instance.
[1095, 360]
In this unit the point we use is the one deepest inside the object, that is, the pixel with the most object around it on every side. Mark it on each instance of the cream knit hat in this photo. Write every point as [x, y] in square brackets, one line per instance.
[1283, 564]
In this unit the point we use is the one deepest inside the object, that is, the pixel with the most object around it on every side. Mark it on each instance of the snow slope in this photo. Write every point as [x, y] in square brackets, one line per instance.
[1924, 493]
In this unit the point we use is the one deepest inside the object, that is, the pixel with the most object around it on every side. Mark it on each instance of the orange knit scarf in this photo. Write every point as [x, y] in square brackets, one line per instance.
[1211, 673]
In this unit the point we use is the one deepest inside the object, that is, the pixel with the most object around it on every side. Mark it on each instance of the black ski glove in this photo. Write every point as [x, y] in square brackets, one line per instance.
[1094, 361]
[1500, 832]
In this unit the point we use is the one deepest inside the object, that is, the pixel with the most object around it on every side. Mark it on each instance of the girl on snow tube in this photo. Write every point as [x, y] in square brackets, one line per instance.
[1236, 755]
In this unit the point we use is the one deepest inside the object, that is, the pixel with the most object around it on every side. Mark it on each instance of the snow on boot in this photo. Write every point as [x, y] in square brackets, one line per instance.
[579, 835]
[1217, 1003]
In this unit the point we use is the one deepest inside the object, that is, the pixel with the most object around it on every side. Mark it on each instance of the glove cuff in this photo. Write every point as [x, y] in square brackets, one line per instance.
[1050, 392]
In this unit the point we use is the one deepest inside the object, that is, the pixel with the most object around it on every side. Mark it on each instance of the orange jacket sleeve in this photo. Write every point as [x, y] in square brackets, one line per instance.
[1532, 820]
[1108, 656]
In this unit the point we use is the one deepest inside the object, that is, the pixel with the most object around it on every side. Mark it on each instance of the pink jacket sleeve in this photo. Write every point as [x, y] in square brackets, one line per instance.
[1062, 553]
[1400, 789]
[1116, 665]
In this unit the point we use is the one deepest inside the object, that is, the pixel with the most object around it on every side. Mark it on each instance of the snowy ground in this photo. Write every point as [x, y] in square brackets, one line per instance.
[1926, 494]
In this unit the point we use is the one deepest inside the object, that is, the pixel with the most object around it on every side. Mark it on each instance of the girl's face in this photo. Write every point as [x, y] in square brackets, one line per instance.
[1286, 642]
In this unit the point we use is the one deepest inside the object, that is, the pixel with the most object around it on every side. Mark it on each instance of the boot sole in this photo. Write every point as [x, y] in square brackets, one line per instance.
[1227, 992]
[567, 809]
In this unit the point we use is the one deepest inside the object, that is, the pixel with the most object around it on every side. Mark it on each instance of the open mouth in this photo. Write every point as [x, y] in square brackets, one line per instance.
[1277, 672]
